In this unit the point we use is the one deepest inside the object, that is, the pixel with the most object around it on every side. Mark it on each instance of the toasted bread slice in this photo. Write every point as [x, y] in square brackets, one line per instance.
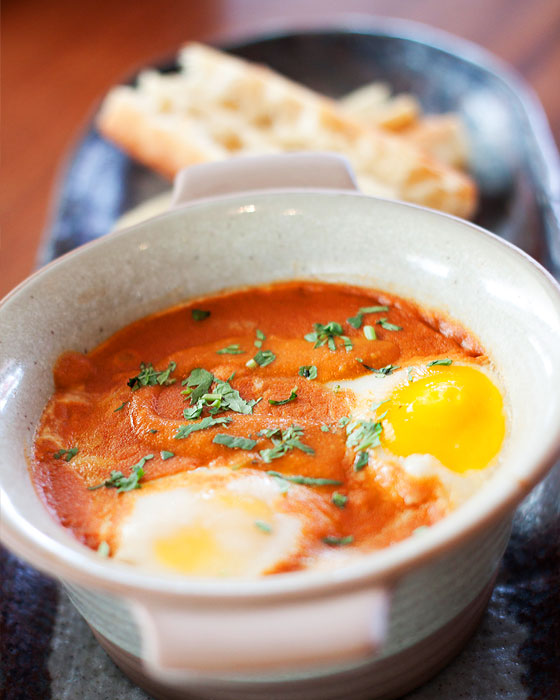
[218, 105]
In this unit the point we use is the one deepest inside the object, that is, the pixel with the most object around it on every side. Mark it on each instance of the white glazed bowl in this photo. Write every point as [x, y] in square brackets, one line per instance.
[371, 630]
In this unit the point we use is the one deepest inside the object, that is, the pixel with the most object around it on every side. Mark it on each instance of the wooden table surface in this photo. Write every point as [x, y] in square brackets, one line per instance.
[60, 56]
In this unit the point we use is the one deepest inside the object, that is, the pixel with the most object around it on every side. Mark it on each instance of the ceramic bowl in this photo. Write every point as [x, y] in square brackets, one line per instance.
[373, 629]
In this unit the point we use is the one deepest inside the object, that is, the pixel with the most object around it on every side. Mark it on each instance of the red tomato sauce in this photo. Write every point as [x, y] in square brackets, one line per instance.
[112, 424]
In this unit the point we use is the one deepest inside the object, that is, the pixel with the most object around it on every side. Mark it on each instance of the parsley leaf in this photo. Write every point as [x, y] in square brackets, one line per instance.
[361, 461]
[66, 454]
[339, 499]
[239, 443]
[388, 326]
[223, 397]
[122, 483]
[233, 349]
[291, 397]
[103, 550]
[185, 430]
[264, 527]
[123, 404]
[199, 314]
[383, 371]
[338, 541]
[262, 358]
[165, 454]
[148, 376]
[260, 338]
[305, 480]
[308, 371]
[363, 434]
[356, 321]
[445, 362]
[284, 441]
[327, 334]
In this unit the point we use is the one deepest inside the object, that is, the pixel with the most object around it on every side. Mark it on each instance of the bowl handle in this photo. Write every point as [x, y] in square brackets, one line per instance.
[271, 172]
[181, 642]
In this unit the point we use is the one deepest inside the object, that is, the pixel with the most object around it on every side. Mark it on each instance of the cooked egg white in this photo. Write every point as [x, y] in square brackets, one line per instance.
[218, 522]
[446, 421]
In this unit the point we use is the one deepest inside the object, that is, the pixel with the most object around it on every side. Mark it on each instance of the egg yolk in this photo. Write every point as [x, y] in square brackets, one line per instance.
[454, 413]
[222, 544]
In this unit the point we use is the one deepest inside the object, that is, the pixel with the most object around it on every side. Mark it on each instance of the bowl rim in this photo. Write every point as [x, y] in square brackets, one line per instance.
[377, 568]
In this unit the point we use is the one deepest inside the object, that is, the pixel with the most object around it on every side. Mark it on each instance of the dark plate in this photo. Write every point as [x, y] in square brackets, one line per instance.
[515, 652]
[513, 156]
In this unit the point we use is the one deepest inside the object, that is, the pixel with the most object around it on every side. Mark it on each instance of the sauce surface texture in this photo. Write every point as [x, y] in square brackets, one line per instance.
[260, 404]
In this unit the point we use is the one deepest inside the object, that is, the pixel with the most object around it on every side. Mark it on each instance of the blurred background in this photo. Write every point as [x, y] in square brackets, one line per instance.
[61, 56]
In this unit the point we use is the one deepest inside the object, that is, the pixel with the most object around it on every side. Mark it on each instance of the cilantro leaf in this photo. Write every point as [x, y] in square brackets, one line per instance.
[199, 314]
[383, 371]
[124, 483]
[361, 461]
[233, 349]
[446, 362]
[339, 499]
[327, 334]
[304, 480]
[356, 321]
[338, 541]
[291, 397]
[185, 430]
[388, 326]
[308, 371]
[363, 434]
[284, 441]
[66, 454]
[238, 443]
[262, 359]
[148, 376]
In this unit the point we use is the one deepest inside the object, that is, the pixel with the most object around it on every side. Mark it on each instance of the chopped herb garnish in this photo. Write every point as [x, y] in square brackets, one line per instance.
[339, 499]
[325, 429]
[383, 371]
[123, 404]
[165, 454]
[223, 397]
[356, 321]
[122, 483]
[103, 549]
[361, 461]
[263, 527]
[66, 454]
[343, 421]
[233, 349]
[305, 480]
[338, 541]
[284, 441]
[446, 362]
[199, 314]
[153, 431]
[236, 443]
[262, 359]
[388, 326]
[185, 430]
[260, 337]
[308, 372]
[327, 334]
[148, 376]
[291, 397]
[375, 406]
[369, 332]
[363, 434]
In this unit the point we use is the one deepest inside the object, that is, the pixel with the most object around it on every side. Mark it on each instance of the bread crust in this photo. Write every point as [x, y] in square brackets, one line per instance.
[219, 105]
